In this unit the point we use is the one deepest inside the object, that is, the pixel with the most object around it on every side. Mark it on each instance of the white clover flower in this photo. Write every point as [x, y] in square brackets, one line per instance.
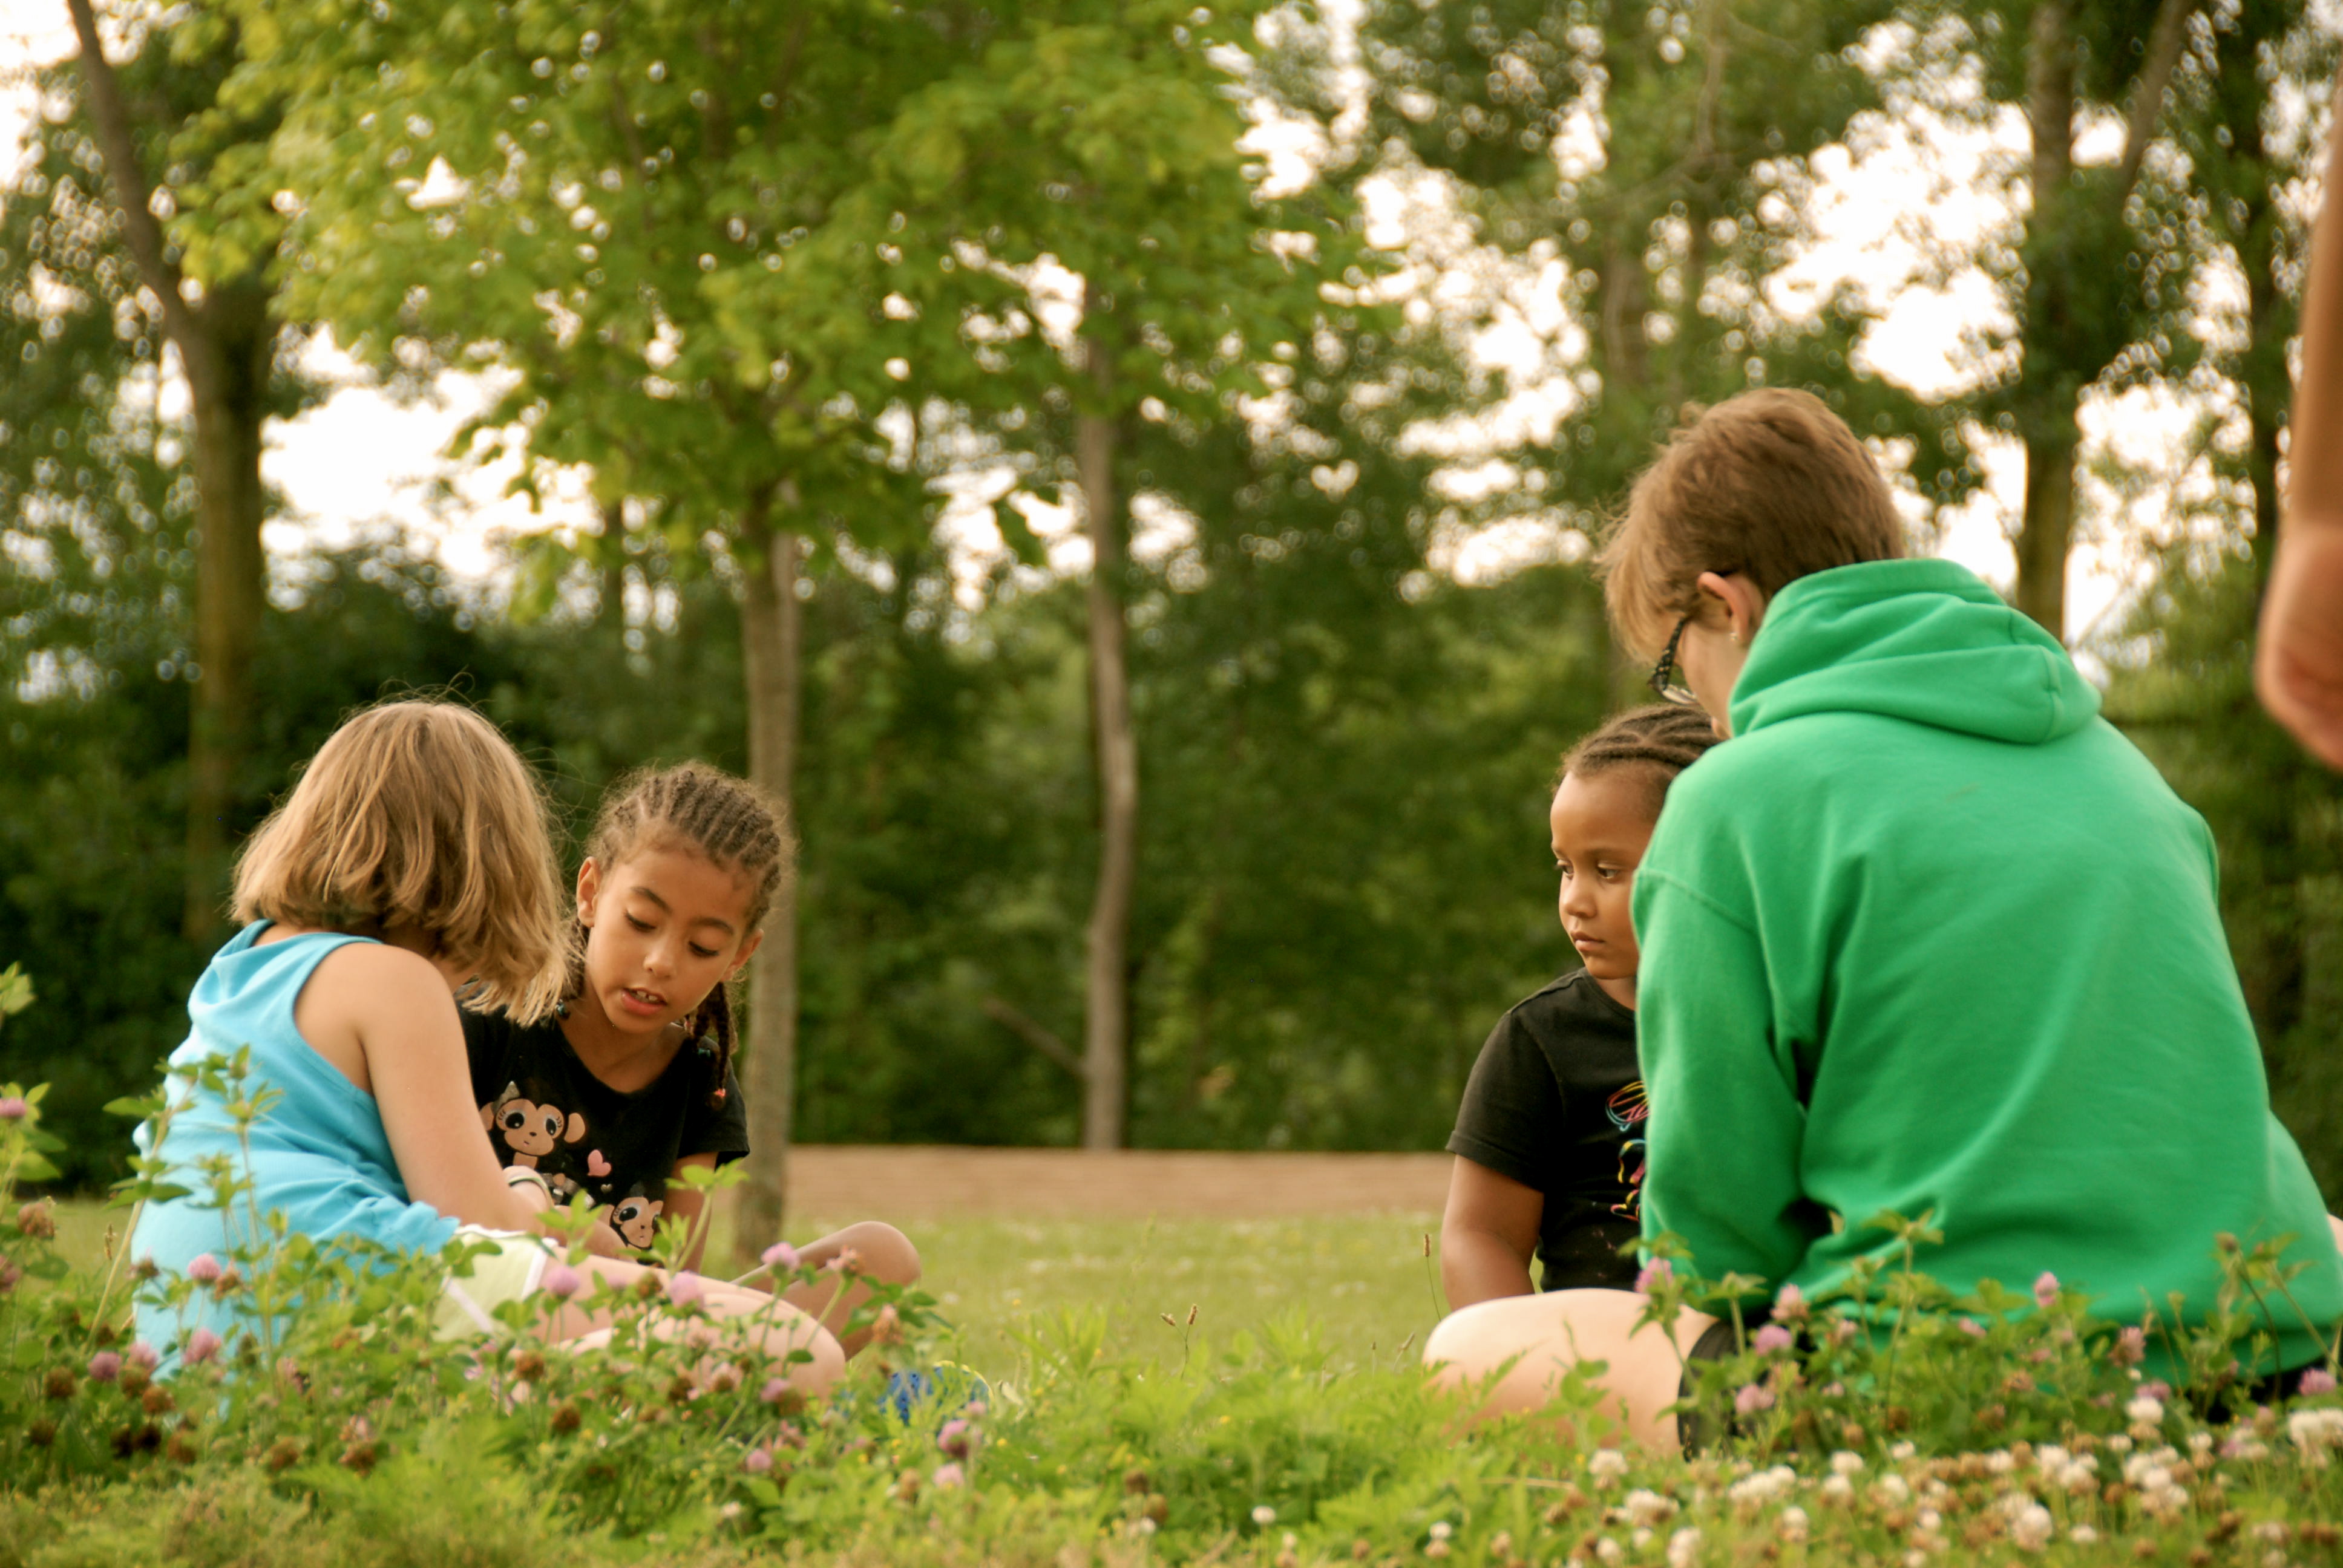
[2315, 1432]
[1916, 1558]
[1843, 1462]
[1684, 1548]
[1643, 1507]
[1640, 1539]
[1606, 1463]
[2118, 1443]
[1891, 1491]
[1264, 1515]
[1442, 1530]
[2031, 1527]
[2200, 1442]
[2050, 1458]
[2082, 1534]
[2146, 1410]
[1764, 1486]
[1793, 1526]
[1928, 1520]
[1902, 1451]
[1608, 1550]
[2001, 1461]
[2272, 1531]
[1838, 1489]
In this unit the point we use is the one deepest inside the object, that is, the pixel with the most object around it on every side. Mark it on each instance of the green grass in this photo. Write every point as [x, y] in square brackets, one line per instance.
[1288, 1429]
[1364, 1280]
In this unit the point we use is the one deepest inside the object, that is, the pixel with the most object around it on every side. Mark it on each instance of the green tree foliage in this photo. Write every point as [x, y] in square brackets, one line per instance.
[195, 220]
[1655, 157]
[1101, 138]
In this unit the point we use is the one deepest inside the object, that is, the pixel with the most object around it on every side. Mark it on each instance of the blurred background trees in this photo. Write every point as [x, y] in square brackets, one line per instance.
[925, 367]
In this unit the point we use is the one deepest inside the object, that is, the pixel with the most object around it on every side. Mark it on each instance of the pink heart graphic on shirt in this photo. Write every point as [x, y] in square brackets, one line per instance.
[596, 1165]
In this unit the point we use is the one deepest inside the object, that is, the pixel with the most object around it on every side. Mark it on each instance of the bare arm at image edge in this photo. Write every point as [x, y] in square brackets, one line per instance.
[2299, 657]
[1488, 1235]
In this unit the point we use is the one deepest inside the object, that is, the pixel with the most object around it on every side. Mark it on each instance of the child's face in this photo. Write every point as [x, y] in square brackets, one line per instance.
[1602, 824]
[665, 925]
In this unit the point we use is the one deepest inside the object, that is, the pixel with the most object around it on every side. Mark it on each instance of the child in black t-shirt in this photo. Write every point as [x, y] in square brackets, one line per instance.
[631, 1082]
[1549, 1140]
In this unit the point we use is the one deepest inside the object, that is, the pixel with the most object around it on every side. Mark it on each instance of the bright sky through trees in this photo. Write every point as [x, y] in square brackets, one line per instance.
[1907, 192]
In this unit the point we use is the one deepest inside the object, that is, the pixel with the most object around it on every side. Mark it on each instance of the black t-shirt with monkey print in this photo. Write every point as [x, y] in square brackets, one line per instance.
[544, 1109]
[1557, 1102]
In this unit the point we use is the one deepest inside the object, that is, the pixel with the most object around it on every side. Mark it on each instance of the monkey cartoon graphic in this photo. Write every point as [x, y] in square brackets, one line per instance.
[529, 1130]
[636, 1218]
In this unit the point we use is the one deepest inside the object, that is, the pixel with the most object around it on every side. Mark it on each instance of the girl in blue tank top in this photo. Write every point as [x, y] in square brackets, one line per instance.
[412, 860]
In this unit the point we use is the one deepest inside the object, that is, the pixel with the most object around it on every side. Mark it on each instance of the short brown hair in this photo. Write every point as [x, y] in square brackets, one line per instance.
[420, 813]
[1770, 484]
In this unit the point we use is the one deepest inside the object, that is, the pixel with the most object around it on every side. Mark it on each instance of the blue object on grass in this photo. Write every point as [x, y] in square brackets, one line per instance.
[944, 1381]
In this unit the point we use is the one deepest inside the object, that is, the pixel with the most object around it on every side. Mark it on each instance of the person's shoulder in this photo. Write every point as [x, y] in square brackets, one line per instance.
[1572, 1003]
[378, 972]
[497, 1030]
[1766, 761]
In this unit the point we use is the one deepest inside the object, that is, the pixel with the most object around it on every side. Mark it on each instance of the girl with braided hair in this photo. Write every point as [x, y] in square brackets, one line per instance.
[1549, 1141]
[630, 1082]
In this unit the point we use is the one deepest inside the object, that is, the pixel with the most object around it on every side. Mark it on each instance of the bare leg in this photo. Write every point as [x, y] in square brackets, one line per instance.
[780, 1327]
[1551, 1332]
[882, 1254]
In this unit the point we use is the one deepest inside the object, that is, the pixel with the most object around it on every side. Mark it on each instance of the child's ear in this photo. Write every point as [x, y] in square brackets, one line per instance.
[748, 948]
[589, 889]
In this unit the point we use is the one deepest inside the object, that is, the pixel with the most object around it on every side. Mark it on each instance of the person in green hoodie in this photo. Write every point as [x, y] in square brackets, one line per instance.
[1927, 935]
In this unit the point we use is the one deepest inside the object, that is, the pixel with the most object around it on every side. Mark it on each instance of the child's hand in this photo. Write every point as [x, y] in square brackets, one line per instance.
[2298, 666]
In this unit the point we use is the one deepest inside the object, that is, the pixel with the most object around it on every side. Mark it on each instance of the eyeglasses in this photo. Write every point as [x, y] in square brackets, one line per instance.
[1663, 683]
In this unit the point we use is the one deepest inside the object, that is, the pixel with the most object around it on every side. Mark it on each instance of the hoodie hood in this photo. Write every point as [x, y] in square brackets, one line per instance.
[1923, 640]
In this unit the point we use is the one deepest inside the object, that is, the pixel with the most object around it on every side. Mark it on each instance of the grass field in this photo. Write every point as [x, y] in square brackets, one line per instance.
[1363, 1279]
[1112, 1438]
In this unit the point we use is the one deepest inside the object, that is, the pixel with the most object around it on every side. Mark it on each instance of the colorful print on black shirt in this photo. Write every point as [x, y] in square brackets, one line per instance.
[1556, 1103]
[544, 1109]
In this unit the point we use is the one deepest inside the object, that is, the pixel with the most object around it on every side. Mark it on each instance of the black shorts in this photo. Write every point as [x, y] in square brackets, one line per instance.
[1716, 1342]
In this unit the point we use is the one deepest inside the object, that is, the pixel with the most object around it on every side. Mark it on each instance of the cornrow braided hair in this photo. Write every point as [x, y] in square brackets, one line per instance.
[732, 822]
[1663, 739]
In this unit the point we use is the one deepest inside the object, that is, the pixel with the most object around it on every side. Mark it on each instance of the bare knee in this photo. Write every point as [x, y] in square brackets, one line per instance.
[817, 1377]
[1472, 1341]
[888, 1255]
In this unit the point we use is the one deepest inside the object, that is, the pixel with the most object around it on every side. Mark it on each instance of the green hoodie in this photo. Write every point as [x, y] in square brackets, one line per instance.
[1928, 935]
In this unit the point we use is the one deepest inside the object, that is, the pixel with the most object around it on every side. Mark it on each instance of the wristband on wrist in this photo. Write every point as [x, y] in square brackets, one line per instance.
[522, 1176]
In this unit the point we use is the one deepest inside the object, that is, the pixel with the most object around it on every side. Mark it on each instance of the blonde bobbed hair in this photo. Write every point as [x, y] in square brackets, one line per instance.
[1770, 484]
[420, 813]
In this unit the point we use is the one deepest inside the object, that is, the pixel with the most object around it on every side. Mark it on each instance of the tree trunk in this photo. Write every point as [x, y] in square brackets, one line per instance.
[230, 400]
[1106, 1015]
[226, 346]
[611, 556]
[2048, 391]
[770, 627]
[2049, 533]
[2066, 345]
